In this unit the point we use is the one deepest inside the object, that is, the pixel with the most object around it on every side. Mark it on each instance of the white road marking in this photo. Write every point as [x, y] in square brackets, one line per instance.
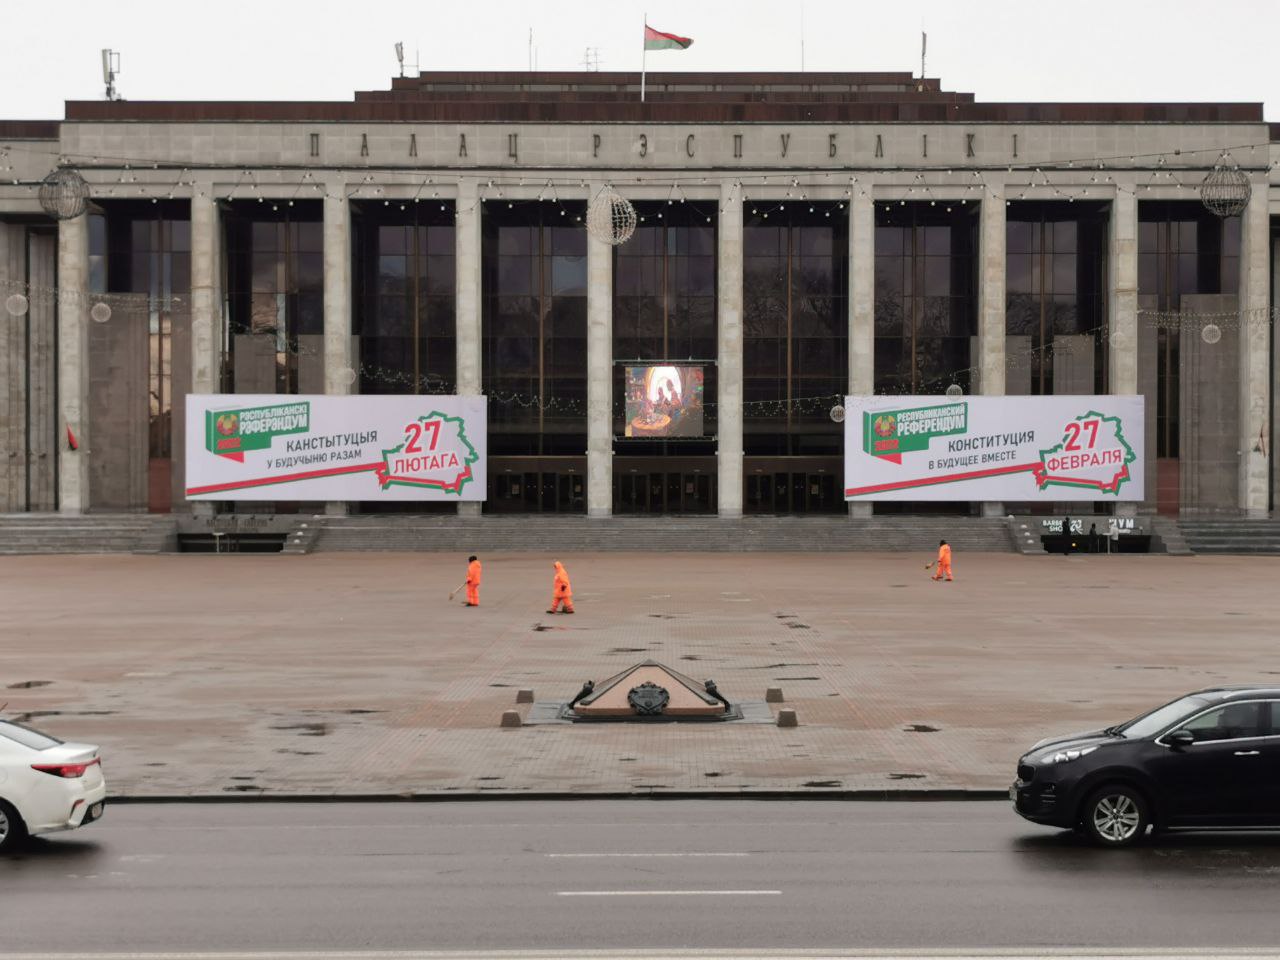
[1040, 953]
[669, 893]
[579, 856]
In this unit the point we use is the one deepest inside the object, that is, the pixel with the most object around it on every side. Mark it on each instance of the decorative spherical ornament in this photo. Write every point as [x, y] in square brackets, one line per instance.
[837, 413]
[64, 194]
[611, 217]
[1211, 333]
[1118, 340]
[347, 376]
[955, 390]
[1225, 190]
[17, 305]
[100, 312]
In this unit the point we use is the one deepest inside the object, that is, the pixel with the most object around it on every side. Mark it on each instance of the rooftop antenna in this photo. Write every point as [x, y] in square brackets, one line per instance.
[924, 43]
[531, 49]
[802, 36]
[400, 56]
[591, 59]
[110, 67]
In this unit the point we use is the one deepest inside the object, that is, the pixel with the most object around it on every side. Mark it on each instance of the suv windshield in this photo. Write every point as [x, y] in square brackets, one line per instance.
[26, 736]
[1161, 718]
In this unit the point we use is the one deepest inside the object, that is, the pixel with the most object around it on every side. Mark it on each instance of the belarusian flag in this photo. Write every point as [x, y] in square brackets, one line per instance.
[657, 40]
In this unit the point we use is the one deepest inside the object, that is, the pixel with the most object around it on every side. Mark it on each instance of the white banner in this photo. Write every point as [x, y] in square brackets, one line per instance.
[282, 447]
[993, 448]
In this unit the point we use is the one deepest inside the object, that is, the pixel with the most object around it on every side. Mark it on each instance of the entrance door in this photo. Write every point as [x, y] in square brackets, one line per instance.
[760, 493]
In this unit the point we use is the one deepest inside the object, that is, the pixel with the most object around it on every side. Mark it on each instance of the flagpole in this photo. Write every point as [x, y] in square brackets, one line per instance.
[644, 50]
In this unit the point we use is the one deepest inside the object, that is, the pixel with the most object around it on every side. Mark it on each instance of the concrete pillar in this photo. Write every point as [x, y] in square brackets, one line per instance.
[467, 335]
[13, 372]
[1255, 354]
[206, 293]
[73, 364]
[991, 297]
[1275, 383]
[206, 303]
[862, 298]
[729, 352]
[339, 364]
[991, 361]
[1122, 307]
[599, 378]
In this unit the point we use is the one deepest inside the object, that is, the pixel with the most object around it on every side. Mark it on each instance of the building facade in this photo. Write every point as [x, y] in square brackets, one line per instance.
[799, 236]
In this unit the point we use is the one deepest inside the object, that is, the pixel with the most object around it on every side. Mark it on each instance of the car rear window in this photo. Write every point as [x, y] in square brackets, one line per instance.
[26, 736]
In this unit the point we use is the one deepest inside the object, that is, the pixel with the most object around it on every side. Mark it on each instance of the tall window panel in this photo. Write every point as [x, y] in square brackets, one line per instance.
[139, 365]
[275, 298]
[795, 327]
[1055, 307]
[1182, 249]
[664, 295]
[535, 327]
[925, 297]
[405, 303]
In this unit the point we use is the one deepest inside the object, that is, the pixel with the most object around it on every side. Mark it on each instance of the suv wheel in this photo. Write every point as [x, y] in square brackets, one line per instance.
[1115, 816]
[12, 830]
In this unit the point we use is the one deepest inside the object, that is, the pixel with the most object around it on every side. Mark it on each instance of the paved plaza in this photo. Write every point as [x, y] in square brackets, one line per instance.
[341, 675]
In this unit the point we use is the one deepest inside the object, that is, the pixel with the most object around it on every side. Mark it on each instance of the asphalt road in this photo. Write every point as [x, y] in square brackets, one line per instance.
[617, 875]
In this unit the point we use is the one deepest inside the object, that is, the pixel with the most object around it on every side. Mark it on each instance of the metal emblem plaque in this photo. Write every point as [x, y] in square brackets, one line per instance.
[648, 699]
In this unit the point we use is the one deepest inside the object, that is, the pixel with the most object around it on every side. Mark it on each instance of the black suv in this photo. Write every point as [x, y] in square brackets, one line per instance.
[1209, 759]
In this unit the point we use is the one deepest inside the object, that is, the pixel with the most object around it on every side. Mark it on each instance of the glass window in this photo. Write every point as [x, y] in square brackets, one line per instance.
[795, 327]
[1232, 721]
[26, 736]
[1273, 726]
[1047, 287]
[923, 334]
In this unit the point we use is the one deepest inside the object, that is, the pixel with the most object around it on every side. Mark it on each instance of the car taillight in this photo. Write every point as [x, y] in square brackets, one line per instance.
[68, 771]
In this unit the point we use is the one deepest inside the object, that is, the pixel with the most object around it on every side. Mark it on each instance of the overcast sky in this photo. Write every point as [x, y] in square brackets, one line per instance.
[1120, 50]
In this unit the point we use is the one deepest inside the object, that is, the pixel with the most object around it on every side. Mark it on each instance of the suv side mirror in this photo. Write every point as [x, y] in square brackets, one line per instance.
[1180, 739]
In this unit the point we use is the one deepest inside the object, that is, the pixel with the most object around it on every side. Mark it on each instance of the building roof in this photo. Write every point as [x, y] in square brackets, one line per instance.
[600, 97]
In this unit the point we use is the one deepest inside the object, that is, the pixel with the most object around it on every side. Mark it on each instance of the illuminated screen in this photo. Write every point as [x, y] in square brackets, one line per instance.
[664, 401]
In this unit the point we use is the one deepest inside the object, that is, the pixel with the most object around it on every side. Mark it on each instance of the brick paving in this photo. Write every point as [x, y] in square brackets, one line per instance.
[333, 675]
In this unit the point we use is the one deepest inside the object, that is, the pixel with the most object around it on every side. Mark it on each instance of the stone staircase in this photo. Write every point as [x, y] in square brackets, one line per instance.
[1232, 535]
[33, 533]
[1168, 537]
[687, 534]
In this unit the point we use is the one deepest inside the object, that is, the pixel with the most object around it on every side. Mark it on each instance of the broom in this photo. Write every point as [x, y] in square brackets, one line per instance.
[454, 593]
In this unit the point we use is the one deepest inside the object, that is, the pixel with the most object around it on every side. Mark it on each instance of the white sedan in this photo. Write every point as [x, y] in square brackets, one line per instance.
[45, 784]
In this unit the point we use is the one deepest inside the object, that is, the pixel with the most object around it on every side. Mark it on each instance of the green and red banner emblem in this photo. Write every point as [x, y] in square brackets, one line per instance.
[889, 434]
[233, 433]
[657, 40]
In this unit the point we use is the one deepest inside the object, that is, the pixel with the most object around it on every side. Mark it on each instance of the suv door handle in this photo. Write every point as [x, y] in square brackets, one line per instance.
[1246, 753]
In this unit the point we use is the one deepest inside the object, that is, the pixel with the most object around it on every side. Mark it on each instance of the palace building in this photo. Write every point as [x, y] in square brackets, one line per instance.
[798, 237]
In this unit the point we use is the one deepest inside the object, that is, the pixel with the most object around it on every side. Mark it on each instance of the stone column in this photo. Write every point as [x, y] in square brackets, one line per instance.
[862, 295]
[729, 353]
[206, 294]
[991, 302]
[1122, 306]
[1275, 383]
[338, 359]
[73, 364]
[1255, 354]
[206, 303]
[467, 335]
[13, 373]
[599, 378]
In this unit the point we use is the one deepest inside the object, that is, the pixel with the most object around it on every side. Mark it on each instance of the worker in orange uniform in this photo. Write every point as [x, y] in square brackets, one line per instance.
[473, 581]
[561, 592]
[944, 560]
